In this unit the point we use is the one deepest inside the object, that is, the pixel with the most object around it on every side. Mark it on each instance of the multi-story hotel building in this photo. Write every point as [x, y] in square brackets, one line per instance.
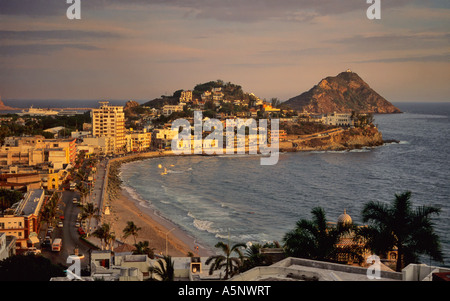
[109, 121]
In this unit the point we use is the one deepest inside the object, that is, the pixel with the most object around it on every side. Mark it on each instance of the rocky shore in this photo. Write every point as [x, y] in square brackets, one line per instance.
[348, 139]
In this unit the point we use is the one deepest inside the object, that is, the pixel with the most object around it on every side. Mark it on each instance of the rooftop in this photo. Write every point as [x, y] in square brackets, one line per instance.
[298, 269]
[32, 202]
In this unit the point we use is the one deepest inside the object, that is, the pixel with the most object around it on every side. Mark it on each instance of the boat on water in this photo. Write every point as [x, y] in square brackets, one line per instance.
[38, 112]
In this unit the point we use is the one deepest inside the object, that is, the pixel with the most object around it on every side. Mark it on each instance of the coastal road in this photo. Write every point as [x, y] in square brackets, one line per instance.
[68, 233]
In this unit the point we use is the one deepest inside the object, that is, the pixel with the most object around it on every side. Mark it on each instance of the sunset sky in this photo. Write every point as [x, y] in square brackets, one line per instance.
[140, 50]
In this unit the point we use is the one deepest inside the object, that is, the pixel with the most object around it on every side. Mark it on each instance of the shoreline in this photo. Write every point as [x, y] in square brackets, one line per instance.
[154, 227]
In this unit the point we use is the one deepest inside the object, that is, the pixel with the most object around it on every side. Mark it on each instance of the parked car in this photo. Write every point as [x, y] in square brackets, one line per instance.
[47, 243]
[77, 224]
[81, 231]
[50, 229]
[33, 250]
[60, 224]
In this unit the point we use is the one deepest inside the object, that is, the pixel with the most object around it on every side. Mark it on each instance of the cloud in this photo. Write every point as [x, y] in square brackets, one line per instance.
[41, 49]
[15, 43]
[396, 41]
[231, 10]
[445, 58]
[55, 35]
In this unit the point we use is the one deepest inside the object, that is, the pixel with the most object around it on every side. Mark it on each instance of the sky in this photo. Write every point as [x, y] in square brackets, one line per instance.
[140, 50]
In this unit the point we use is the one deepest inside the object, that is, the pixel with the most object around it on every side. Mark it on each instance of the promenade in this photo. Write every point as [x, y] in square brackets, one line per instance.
[98, 195]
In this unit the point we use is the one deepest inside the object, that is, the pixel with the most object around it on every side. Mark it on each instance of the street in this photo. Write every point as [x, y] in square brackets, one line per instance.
[68, 233]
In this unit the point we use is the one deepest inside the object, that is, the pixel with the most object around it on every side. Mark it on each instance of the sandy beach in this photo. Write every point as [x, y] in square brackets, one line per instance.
[154, 228]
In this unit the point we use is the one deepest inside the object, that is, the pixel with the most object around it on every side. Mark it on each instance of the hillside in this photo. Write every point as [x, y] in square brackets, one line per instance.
[345, 92]
[228, 91]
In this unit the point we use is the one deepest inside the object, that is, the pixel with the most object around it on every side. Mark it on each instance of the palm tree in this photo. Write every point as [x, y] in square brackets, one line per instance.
[131, 229]
[104, 234]
[46, 215]
[83, 190]
[165, 269]
[50, 210]
[399, 225]
[89, 211]
[142, 247]
[254, 257]
[231, 264]
[313, 239]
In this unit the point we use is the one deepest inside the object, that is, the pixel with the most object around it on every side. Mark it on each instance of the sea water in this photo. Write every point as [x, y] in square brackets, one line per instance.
[235, 199]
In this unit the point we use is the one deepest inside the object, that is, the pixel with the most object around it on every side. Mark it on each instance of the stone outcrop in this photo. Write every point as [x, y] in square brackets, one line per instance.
[345, 92]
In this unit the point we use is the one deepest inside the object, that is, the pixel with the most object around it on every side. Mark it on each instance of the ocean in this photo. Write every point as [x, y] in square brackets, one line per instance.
[235, 199]
[57, 104]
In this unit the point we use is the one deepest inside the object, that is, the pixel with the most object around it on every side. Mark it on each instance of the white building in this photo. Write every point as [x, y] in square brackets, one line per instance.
[169, 109]
[7, 246]
[99, 144]
[339, 119]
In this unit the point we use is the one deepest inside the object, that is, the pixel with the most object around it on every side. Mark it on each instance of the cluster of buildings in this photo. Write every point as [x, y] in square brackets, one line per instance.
[107, 134]
[35, 162]
[216, 96]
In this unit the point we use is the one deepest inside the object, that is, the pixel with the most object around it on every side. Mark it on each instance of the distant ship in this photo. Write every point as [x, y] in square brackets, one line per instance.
[38, 112]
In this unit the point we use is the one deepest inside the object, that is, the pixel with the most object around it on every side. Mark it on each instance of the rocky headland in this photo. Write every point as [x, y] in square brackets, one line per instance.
[340, 139]
[346, 92]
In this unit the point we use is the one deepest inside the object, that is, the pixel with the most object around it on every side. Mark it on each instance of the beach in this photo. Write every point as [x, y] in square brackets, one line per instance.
[154, 228]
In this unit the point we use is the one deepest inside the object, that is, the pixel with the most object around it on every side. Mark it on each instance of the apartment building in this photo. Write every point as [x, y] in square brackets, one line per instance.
[109, 121]
[138, 140]
[22, 219]
[186, 96]
[162, 138]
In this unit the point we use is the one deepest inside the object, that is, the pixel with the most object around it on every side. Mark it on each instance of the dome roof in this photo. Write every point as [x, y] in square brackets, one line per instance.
[344, 218]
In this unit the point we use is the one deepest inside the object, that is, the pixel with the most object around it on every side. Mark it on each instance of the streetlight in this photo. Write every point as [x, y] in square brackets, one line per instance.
[166, 238]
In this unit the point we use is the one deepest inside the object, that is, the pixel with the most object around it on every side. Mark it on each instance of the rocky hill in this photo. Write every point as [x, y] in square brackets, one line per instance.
[229, 91]
[345, 92]
[3, 107]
